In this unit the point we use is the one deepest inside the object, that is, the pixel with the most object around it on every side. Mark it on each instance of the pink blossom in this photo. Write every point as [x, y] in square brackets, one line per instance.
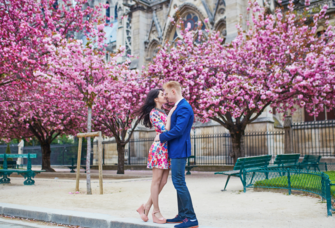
[101, 27]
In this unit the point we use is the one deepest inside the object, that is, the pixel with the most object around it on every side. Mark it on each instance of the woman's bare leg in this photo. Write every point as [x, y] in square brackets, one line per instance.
[162, 183]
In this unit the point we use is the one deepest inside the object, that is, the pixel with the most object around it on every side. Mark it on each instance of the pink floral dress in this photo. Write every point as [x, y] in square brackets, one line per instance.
[158, 153]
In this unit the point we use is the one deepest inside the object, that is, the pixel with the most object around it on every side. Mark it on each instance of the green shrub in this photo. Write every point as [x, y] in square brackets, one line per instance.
[298, 181]
[8, 152]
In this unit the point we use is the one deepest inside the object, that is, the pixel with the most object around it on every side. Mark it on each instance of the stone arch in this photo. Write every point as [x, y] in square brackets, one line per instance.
[183, 10]
[221, 26]
[112, 4]
[152, 49]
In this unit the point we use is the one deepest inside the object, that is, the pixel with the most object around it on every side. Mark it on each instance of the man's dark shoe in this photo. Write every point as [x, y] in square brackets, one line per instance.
[188, 223]
[177, 219]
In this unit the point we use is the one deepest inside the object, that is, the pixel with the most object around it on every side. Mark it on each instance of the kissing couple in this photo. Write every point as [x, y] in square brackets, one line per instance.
[170, 150]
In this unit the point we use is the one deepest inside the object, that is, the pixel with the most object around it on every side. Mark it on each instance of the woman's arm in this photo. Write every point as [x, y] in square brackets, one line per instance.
[184, 116]
[168, 121]
[156, 121]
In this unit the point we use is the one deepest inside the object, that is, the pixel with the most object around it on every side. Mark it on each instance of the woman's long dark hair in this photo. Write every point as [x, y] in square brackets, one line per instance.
[149, 104]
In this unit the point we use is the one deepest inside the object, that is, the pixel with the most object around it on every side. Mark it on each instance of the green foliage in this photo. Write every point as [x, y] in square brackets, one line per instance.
[63, 139]
[8, 152]
[315, 9]
[31, 142]
[60, 140]
[331, 175]
[14, 141]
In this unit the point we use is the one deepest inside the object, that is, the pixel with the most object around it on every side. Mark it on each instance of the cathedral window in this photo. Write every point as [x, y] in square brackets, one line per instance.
[55, 5]
[192, 19]
[108, 14]
[325, 115]
[128, 36]
[115, 13]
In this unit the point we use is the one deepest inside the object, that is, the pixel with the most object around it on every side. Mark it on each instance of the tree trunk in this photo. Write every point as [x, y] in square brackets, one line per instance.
[120, 160]
[46, 151]
[88, 155]
[237, 145]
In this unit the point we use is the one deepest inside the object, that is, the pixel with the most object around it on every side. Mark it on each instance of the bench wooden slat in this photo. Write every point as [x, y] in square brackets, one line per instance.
[250, 162]
[285, 160]
[291, 159]
[19, 170]
[231, 172]
[18, 155]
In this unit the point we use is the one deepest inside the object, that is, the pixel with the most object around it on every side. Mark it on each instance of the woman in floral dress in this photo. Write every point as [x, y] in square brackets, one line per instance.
[153, 116]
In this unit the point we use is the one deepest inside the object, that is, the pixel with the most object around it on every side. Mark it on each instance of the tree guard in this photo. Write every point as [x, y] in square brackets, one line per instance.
[81, 136]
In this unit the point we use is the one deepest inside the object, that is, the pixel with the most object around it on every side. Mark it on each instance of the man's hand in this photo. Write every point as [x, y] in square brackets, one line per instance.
[157, 137]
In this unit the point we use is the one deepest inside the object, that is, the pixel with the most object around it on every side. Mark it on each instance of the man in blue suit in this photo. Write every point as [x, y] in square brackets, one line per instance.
[179, 148]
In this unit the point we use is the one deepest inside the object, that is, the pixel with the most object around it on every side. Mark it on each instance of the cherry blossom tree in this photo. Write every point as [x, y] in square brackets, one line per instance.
[84, 73]
[278, 62]
[44, 114]
[32, 32]
[24, 25]
[115, 110]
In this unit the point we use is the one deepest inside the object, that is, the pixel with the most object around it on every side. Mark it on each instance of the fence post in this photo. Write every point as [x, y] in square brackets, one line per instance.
[195, 148]
[328, 198]
[103, 154]
[288, 135]
[289, 181]
[129, 152]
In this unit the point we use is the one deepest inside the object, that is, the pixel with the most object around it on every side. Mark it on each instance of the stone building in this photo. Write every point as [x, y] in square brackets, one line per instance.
[143, 25]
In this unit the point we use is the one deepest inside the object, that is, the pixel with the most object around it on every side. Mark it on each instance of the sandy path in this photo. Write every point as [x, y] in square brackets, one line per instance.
[232, 208]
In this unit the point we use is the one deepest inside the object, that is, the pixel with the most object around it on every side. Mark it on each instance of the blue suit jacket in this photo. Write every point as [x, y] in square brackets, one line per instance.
[179, 140]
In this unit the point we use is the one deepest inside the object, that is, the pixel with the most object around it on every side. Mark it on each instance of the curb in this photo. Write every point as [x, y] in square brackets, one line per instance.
[16, 223]
[76, 218]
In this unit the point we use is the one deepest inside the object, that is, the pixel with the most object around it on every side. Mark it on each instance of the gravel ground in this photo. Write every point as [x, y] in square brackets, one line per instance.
[122, 197]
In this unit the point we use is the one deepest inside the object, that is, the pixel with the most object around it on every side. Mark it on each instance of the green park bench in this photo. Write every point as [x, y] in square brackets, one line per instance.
[190, 165]
[310, 161]
[74, 164]
[28, 174]
[285, 161]
[246, 164]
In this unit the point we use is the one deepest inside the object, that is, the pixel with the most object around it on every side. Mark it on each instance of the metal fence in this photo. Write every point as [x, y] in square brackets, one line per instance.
[60, 154]
[317, 138]
[13, 149]
[209, 149]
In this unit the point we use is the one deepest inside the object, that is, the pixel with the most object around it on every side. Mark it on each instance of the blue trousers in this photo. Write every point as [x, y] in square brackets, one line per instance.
[185, 207]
